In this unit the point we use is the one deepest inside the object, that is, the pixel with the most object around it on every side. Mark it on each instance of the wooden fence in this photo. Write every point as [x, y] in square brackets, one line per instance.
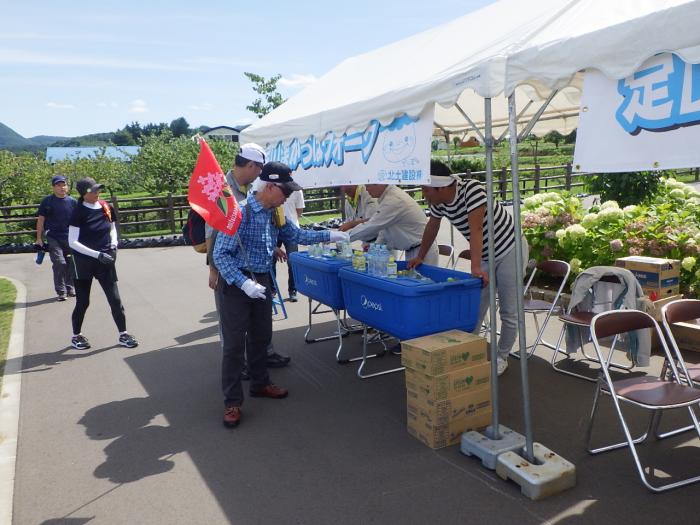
[166, 214]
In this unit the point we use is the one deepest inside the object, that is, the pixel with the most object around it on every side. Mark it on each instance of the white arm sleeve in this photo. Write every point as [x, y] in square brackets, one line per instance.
[113, 240]
[73, 234]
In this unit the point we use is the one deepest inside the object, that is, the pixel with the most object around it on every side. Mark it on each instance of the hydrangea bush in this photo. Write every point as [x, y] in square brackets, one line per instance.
[557, 227]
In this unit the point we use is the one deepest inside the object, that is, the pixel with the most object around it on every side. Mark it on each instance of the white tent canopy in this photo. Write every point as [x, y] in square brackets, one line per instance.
[483, 54]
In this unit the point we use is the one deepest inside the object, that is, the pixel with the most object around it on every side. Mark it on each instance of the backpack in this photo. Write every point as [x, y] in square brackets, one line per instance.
[193, 232]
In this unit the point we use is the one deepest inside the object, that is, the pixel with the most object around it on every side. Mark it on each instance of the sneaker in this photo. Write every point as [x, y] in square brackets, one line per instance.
[502, 365]
[80, 342]
[275, 360]
[71, 293]
[128, 341]
[292, 297]
[232, 416]
[61, 298]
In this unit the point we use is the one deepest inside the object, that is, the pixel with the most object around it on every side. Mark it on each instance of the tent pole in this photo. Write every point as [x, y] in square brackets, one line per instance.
[493, 347]
[519, 265]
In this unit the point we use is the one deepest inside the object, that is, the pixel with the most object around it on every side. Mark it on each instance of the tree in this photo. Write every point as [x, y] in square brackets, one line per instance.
[179, 127]
[269, 97]
[555, 137]
[123, 138]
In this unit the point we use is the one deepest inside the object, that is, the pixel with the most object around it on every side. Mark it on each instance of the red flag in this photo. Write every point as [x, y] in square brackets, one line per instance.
[210, 195]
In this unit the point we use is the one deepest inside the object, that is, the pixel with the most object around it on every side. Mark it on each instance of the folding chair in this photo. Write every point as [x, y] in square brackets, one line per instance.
[581, 322]
[680, 311]
[448, 251]
[558, 271]
[277, 298]
[651, 393]
[465, 255]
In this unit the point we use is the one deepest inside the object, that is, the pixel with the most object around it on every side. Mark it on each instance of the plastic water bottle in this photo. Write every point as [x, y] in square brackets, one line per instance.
[361, 261]
[391, 268]
[40, 256]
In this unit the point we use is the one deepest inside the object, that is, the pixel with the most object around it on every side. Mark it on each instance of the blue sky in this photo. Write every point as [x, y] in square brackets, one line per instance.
[72, 68]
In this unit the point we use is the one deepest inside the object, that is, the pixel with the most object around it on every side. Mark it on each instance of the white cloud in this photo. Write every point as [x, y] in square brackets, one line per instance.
[297, 81]
[206, 106]
[107, 104]
[243, 121]
[138, 106]
[58, 105]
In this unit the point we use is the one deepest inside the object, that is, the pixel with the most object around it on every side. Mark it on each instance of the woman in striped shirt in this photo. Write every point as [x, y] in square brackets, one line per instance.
[463, 202]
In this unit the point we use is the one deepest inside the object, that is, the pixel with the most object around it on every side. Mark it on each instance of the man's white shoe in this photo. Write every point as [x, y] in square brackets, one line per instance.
[502, 365]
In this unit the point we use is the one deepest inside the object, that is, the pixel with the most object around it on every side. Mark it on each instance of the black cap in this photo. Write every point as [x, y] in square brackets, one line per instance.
[87, 184]
[280, 174]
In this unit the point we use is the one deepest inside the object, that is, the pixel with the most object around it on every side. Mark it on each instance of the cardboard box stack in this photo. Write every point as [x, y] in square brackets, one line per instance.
[660, 278]
[448, 386]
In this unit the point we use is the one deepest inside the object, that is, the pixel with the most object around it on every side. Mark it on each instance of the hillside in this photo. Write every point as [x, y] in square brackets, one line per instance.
[46, 140]
[9, 138]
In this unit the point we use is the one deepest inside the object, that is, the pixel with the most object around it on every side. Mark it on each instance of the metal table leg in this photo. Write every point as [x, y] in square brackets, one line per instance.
[365, 357]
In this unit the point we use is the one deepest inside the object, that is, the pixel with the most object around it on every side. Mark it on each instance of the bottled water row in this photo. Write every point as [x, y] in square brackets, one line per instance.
[377, 261]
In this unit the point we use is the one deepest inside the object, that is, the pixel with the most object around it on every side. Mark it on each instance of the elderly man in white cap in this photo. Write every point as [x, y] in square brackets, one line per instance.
[397, 222]
[463, 202]
[247, 167]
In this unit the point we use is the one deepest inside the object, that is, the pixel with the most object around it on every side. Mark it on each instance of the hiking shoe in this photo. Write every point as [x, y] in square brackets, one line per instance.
[80, 342]
[502, 365]
[232, 416]
[61, 298]
[128, 341]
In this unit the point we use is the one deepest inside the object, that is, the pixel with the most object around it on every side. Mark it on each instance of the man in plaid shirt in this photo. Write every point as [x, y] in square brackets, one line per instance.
[244, 261]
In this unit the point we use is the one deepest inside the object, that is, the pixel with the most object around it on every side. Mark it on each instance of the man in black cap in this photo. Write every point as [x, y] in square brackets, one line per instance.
[244, 261]
[52, 219]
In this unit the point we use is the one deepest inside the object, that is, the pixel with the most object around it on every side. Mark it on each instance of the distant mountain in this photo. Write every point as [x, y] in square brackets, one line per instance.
[9, 138]
[46, 140]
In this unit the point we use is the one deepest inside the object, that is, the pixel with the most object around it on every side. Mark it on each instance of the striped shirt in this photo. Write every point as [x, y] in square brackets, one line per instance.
[470, 195]
[259, 237]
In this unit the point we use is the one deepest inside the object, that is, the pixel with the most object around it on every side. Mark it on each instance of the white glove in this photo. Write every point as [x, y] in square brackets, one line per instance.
[253, 289]
[340, 236]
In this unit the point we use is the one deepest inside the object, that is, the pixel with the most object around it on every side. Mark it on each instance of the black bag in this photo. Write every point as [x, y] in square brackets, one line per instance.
[193, 232]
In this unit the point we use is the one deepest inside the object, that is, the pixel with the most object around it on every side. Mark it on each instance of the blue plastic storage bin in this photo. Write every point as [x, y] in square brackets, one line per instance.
[406, 307]
[318, 278]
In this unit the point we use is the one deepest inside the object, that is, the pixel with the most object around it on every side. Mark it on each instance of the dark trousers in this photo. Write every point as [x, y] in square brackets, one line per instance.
[82, 301]
[60, 255]
[289, 247]
[241, 315]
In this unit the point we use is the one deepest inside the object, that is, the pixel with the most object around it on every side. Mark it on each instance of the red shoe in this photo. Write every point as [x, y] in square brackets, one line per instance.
[271, 391]
[232, 416]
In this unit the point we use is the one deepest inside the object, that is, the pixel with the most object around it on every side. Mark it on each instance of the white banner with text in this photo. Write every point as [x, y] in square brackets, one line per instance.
[647, 121]
[397, 153]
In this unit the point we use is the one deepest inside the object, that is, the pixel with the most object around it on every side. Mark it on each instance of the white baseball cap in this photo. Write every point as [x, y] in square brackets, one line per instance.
[252, 151]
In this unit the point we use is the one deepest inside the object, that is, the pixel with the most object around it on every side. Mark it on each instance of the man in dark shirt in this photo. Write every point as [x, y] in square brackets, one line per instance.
[52, 219]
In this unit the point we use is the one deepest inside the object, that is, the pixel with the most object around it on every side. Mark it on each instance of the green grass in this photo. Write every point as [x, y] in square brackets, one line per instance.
[7, 308]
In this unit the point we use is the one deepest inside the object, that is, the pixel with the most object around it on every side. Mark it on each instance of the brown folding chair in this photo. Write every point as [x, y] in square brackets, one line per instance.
[558, 272]
[448, 251]
[652, 393]
[581, 320]
[681, 311]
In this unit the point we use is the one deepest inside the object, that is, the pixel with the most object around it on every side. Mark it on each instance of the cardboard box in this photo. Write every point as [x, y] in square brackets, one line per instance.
[447, 410]
[438, 354]
[687, 336]
[439, 436]
[660, 276]
[449, 385]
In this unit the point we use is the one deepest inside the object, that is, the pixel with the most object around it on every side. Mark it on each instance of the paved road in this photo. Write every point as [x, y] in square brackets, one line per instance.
[115, 436]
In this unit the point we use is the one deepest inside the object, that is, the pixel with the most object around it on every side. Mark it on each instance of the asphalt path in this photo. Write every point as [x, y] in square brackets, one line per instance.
[114, 435]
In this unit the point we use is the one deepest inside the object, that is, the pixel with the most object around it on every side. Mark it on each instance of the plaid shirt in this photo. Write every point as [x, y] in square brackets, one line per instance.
[259, 237]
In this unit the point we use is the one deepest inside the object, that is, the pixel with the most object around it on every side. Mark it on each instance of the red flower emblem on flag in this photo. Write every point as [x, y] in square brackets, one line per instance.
[210, 195]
